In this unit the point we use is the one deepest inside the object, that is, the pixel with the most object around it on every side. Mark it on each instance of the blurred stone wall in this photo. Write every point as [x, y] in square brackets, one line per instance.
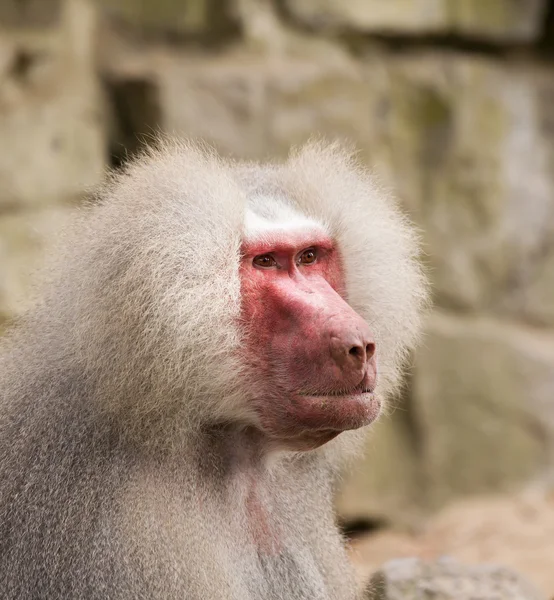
[452, 103]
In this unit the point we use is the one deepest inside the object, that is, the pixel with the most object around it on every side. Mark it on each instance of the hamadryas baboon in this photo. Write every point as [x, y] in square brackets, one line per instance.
[174, 410]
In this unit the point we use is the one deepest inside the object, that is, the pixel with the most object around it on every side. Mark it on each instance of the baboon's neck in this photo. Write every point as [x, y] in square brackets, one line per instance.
[235, 448]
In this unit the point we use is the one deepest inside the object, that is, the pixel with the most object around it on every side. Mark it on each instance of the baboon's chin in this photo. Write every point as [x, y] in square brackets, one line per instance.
[305, 442]
[311, 421]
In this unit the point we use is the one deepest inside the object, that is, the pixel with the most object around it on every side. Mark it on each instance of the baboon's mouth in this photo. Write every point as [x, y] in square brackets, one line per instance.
[356, 391]
[341, 394]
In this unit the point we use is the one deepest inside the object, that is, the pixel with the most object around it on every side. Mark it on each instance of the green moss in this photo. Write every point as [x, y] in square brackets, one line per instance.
[432, 110]
[493, 16]
[32, 13]
[189, 15]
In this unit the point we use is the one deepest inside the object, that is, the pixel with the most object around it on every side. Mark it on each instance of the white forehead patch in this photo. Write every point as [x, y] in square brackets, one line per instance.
[268, 215]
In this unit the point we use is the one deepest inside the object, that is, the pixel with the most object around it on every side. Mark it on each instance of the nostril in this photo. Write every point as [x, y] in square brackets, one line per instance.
[351, 351]
[356, 351]
[362, 353]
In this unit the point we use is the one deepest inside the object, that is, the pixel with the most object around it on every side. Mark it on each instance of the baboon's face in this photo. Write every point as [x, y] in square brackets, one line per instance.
[312, 357]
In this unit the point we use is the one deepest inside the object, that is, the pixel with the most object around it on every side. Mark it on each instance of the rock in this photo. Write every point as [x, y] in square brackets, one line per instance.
[25, 239]
[462, 140]
[516, 531]
[223, 101]
[446, 579]
[495, 20]
[251, 105]
[50, 112]
[482, 400]
[315, 96]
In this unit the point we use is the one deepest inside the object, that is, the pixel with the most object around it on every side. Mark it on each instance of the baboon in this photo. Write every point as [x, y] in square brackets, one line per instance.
[205, 352]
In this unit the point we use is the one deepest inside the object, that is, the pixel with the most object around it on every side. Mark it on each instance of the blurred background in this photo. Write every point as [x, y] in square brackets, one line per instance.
[451, 102]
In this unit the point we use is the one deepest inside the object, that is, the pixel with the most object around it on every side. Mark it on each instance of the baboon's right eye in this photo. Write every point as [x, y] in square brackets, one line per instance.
[265, 261]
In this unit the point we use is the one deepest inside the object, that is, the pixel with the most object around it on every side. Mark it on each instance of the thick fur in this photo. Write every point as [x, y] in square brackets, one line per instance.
[129, 468]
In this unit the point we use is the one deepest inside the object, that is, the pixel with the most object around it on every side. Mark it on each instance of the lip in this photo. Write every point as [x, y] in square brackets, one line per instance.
[355, 392]
[361, 388]
[336, 412]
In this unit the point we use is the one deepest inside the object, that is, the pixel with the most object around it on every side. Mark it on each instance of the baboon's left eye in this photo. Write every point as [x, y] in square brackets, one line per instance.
[308, 257]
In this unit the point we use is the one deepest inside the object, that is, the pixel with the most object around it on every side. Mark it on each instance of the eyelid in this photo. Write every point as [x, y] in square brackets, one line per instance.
[313, 249]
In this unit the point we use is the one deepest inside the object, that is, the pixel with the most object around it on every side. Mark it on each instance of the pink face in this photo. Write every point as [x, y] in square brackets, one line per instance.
[313, 357]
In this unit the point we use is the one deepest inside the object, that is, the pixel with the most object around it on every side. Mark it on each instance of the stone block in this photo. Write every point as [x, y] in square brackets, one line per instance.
[482, 401]
[223, 101]
[51, 112]
[466, 143]
[316, 97]
[252, 105]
